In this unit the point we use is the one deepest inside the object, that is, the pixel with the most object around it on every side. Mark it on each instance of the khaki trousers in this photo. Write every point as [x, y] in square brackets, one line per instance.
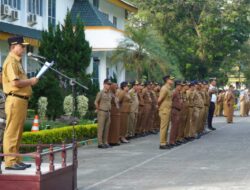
[165, 119]
[132, 120]
[195, 121]
[188, 123]
[124, 124]
[16, 112]
[103, 126]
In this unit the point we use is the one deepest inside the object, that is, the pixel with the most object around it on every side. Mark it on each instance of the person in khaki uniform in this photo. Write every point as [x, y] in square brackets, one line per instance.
[177, 105]
[201, 93]
[17, 88]
[114, 129]
[103, 107]
[198, 107]
[125, 103]
[154, 107]
[206, 104]
[165, 107]
[191, 129]
[146, 109]
[157, 121]
[140, 111]
[182, 136]
[133, 109]
[229, 103]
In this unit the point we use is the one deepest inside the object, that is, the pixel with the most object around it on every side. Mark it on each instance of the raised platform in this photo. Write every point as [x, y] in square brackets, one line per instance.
[30, 171]
[48, 175]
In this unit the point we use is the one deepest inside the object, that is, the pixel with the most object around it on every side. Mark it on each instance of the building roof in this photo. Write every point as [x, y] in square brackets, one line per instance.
[20, 30]
[90, 15]
[124, 4]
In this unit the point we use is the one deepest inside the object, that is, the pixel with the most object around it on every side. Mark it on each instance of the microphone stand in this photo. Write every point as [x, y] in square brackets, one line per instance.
[73, 84]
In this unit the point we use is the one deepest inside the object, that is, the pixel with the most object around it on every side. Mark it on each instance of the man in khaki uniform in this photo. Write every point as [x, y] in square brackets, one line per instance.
[132, 120]
[165, 106]
[17, 87]
[103, 107]
[198, 109]
[191, 130]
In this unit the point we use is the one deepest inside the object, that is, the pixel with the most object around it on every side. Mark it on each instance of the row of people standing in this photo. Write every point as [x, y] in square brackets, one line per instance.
[188, 107]
[126, 112]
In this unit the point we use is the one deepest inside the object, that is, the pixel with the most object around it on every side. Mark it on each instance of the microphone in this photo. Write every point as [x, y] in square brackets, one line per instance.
[38, 57]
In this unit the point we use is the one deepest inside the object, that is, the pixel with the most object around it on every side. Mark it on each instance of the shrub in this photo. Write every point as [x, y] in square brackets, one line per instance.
[42, 107]
[82, 105]
[58, 135]
[68, 105]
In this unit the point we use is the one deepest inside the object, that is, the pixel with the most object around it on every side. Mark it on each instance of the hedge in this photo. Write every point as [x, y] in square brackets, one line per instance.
[59, 135]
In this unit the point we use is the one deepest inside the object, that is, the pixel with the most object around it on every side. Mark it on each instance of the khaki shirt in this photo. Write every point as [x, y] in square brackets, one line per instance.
[134, 101]
[166, 98]
[125, 101]
[103, 100]
[13, 70]
[198, 100]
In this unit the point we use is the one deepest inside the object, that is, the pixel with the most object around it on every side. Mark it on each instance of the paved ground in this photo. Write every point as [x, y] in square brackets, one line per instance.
[218, 161]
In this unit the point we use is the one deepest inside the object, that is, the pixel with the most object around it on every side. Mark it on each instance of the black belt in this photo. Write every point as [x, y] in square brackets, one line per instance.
[176, 108]
[18, 96]
[104, 110]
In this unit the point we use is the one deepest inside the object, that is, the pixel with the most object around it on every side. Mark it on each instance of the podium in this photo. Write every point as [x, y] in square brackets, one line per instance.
[46, 175]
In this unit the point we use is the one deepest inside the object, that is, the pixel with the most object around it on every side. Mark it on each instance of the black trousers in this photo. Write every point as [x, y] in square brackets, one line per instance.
[210, 114]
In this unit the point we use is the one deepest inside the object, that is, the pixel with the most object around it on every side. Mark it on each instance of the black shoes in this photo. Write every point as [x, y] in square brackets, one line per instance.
[25, 165]
[102, 146]
[165, 147]
[212, 128]
[15, 167]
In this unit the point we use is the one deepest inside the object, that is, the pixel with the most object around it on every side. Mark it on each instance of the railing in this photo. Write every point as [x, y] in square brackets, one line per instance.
[52, 150]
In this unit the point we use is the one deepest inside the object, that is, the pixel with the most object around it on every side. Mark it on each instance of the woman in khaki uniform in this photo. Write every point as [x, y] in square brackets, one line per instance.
[140, 111]
[125, 102]
[114, 129]
[229, 103]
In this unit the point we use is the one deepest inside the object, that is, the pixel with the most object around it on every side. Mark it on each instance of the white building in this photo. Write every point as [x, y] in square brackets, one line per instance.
[104, 27]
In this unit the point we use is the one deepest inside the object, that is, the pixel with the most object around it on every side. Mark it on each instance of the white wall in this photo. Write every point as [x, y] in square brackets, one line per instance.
[113, 10]
[42, 21]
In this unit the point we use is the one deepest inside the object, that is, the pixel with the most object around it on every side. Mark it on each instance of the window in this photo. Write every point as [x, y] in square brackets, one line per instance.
[115, 21]
[52, 12]
[96, 3]
[35, 7]
[15, 4]
[126, 14]
[95, 74]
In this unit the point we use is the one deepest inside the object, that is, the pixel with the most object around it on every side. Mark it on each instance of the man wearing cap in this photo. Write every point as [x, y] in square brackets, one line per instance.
[133, 108]
[103, 107]
[165, 107]
[17, 88]
[213, 94]
[154, 107]
[182, 135]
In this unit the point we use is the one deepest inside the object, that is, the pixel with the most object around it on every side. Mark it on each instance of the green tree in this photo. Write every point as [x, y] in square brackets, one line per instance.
[201, 34]
[66, 45]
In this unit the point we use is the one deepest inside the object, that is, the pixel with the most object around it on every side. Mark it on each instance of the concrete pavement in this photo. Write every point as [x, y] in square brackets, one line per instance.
[218, 161]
